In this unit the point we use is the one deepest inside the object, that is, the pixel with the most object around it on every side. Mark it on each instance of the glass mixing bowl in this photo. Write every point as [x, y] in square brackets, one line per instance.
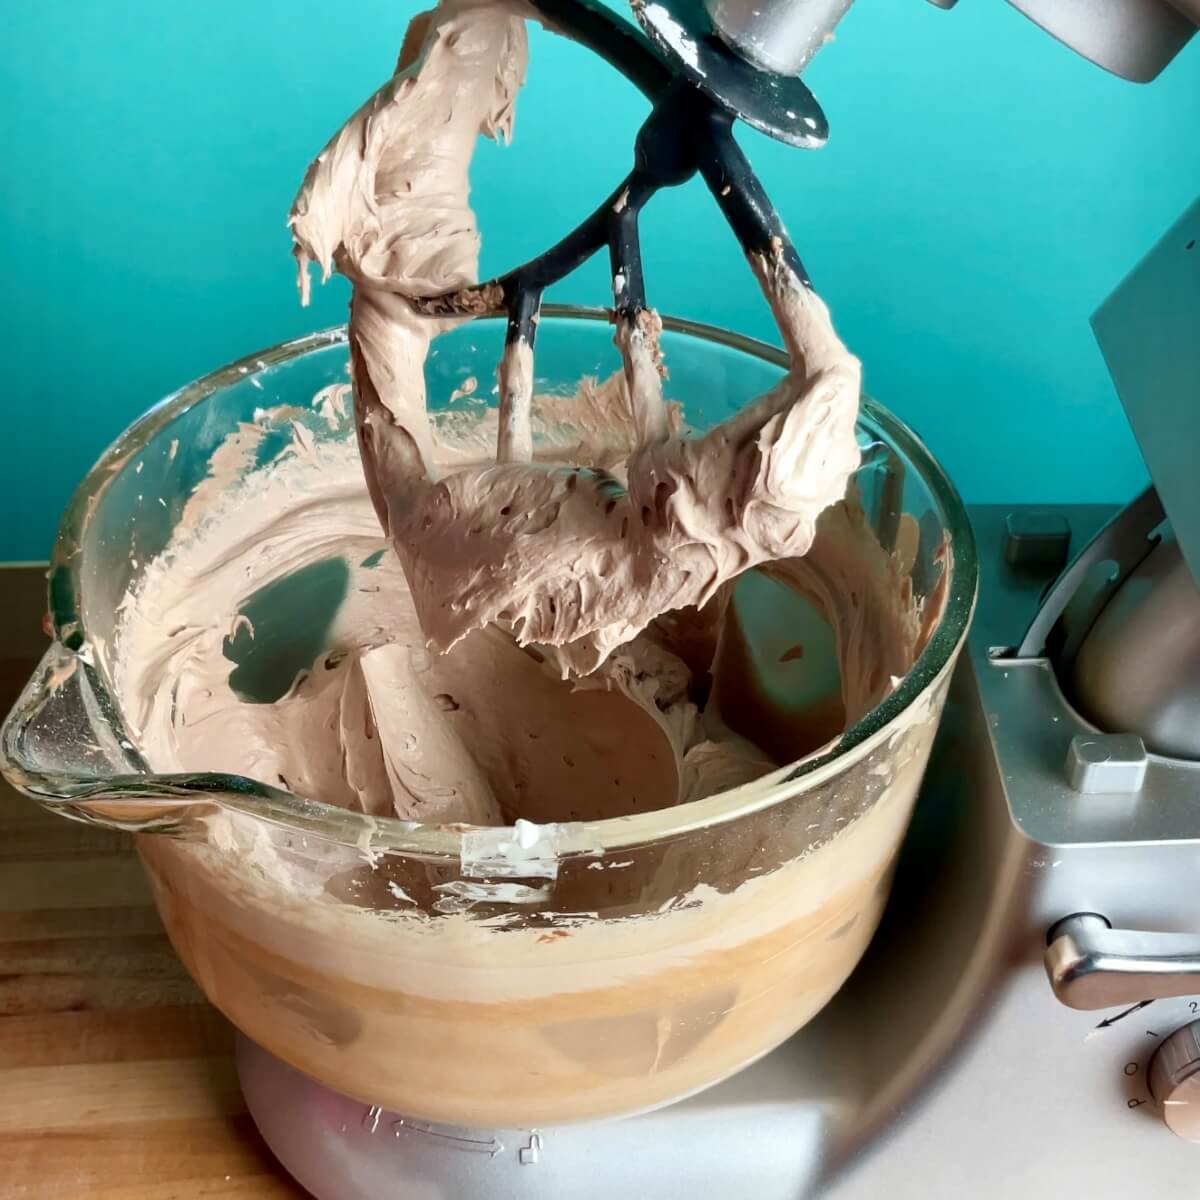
[621, 963]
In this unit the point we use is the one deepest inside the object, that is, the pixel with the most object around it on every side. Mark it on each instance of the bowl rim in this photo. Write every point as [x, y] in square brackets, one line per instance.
[392, 834]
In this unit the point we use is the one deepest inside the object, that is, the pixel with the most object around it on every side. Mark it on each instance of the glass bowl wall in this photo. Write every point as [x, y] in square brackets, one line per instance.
[637, 959]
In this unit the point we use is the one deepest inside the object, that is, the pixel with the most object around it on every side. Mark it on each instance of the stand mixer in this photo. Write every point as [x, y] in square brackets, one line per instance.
[1054, 853]
[1056, 841]
[1030, 817]
[1055, 806]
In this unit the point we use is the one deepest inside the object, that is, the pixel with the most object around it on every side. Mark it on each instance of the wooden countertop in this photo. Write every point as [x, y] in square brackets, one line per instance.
[116, 1077]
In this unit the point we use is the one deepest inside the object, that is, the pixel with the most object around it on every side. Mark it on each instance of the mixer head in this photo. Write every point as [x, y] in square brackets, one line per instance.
[705, 64]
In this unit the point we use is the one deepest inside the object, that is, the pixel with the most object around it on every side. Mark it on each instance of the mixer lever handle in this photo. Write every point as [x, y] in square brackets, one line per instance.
[1091, 965]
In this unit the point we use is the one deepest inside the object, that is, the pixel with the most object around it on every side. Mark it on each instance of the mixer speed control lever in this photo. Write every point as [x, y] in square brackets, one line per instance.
[1091, 965]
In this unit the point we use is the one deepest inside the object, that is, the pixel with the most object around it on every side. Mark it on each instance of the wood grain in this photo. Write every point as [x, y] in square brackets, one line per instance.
[116, 1077]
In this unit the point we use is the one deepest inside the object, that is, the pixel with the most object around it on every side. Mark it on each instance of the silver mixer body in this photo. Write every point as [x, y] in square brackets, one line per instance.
[1134, 39]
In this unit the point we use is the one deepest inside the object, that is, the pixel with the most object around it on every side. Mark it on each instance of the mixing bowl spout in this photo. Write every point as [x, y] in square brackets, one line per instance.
[63, 743]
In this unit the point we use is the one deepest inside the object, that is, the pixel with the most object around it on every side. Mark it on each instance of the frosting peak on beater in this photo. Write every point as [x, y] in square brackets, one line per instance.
[385, 203]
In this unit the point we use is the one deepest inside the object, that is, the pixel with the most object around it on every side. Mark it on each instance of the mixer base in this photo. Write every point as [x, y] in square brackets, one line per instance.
[747, 1136]
[341, 1149]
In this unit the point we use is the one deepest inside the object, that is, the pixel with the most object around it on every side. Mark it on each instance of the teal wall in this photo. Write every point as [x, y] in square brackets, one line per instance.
[983, 190]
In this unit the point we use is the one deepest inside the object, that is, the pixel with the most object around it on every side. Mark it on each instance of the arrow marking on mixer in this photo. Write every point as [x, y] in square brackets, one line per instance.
[473, 1145]
[1122, 1015]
